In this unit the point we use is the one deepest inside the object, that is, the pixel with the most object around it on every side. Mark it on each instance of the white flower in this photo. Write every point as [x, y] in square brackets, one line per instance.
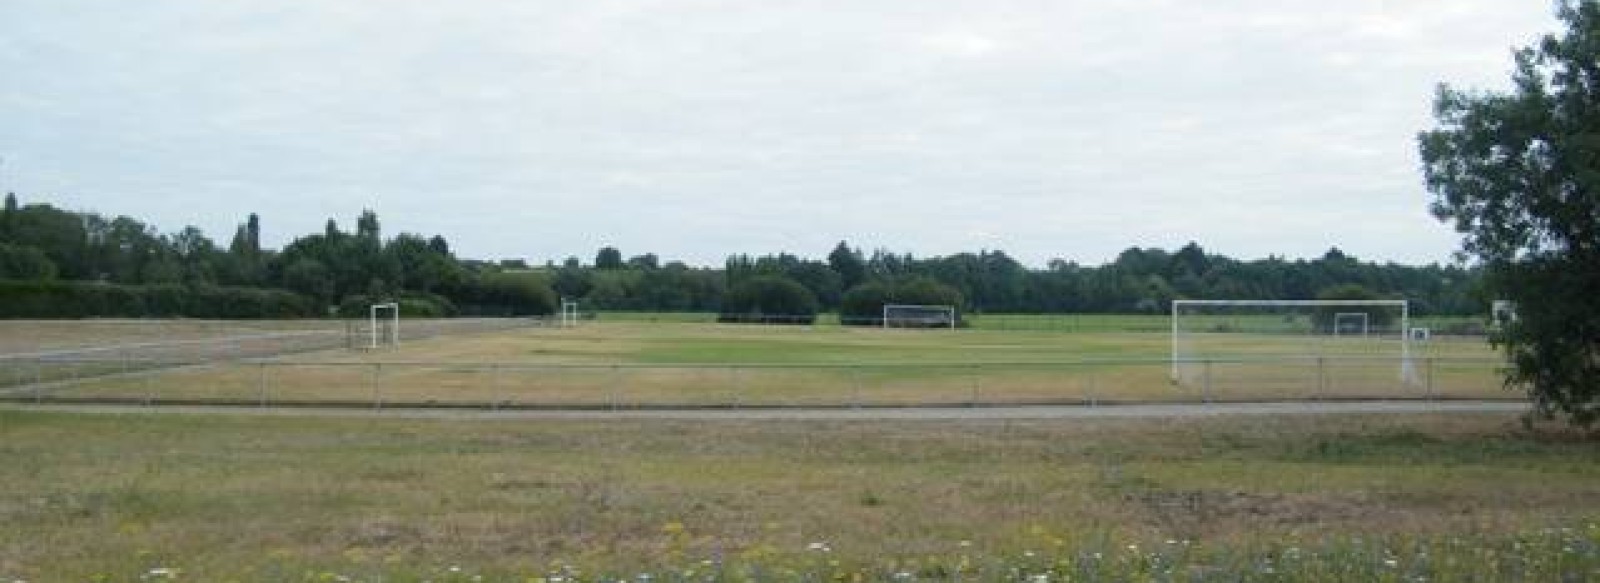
[1391, 563]
[818, 546]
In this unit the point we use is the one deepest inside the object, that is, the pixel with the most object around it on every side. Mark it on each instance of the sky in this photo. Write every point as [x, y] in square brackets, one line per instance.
[698, 128]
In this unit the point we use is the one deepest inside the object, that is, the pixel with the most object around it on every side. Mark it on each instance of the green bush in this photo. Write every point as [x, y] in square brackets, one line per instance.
[412, 305]
[769, 299]
[23, 262]
[863, 304]
[79, 299]
[507, 294]
[1324, 318]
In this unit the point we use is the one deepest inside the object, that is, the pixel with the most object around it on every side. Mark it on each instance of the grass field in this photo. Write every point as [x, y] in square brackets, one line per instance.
[161, 496]
[628, 364]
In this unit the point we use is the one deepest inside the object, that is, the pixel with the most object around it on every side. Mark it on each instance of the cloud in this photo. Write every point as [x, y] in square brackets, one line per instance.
[698, 128]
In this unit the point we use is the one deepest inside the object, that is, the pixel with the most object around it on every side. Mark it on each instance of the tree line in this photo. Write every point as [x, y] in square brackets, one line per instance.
[338, 271]
[58, 263]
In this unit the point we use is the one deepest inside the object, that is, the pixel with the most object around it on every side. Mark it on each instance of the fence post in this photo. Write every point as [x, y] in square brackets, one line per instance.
[977, 379]
[616, 375]
[1322, 378]
[377, 395]
[855, 383]
[494, 387]
[1089, 389]
[1429, 389]
[261, 382]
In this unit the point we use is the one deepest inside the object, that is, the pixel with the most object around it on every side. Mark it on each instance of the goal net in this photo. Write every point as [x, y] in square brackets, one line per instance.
[918, 316]
[383, 323]
[1363, 346]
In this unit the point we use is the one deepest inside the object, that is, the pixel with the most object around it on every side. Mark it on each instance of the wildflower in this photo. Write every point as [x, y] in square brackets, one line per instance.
[1391, 563]
[964, 543]
[1039, 578]
[818, 546]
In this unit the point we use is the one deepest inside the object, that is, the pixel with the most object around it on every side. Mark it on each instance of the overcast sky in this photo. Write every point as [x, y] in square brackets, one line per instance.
[693, 129]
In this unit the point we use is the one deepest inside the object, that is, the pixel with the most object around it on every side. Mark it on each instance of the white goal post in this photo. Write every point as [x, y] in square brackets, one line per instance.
[919, 316]
[1342, 320]
[384, 330]
[569, 313]
[1351, 323]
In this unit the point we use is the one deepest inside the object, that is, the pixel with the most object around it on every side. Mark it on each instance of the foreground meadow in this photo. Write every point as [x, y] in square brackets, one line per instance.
[214, 498]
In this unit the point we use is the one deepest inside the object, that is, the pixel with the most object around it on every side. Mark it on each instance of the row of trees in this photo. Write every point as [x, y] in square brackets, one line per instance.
[39, 242]
[334, 267]
[1138, 281]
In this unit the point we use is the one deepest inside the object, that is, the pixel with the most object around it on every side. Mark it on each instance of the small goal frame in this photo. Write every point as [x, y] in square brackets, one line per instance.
[569, 313]
[949, 312]
[1406, 371]
[394, 324]
[1341, 317]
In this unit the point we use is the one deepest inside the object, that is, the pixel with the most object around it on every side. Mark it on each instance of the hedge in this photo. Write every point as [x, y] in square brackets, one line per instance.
[81, 299]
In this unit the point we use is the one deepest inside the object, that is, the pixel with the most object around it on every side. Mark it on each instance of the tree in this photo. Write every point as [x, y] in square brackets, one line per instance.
[646, 261]
[863, 304]
[1326, 317]
[1518, 174]
[367, 225]
[608, 258]
[769, 299]
[8, 217]
[25, 263]
[847, 262]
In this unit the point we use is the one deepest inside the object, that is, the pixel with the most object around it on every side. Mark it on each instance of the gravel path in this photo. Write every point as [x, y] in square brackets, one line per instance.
[830, 414]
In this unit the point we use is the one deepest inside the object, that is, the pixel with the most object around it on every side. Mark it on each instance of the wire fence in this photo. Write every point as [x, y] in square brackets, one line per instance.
[1441, 326]
[267, 382]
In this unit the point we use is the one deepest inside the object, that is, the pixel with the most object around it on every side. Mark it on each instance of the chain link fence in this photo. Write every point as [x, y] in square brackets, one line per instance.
[268, 382]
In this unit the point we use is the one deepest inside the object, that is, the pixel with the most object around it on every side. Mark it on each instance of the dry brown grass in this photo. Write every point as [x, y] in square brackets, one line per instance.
[92, 493]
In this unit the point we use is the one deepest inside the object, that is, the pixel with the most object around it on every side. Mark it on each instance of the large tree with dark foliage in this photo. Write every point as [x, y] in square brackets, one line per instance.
[1518, 174]
[768, 299]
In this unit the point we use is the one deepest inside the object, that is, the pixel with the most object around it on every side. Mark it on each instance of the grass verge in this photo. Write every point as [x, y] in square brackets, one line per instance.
[120, 497]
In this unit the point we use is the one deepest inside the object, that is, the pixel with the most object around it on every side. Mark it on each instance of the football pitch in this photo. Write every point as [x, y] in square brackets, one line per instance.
[123, 494]
[632, 363]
